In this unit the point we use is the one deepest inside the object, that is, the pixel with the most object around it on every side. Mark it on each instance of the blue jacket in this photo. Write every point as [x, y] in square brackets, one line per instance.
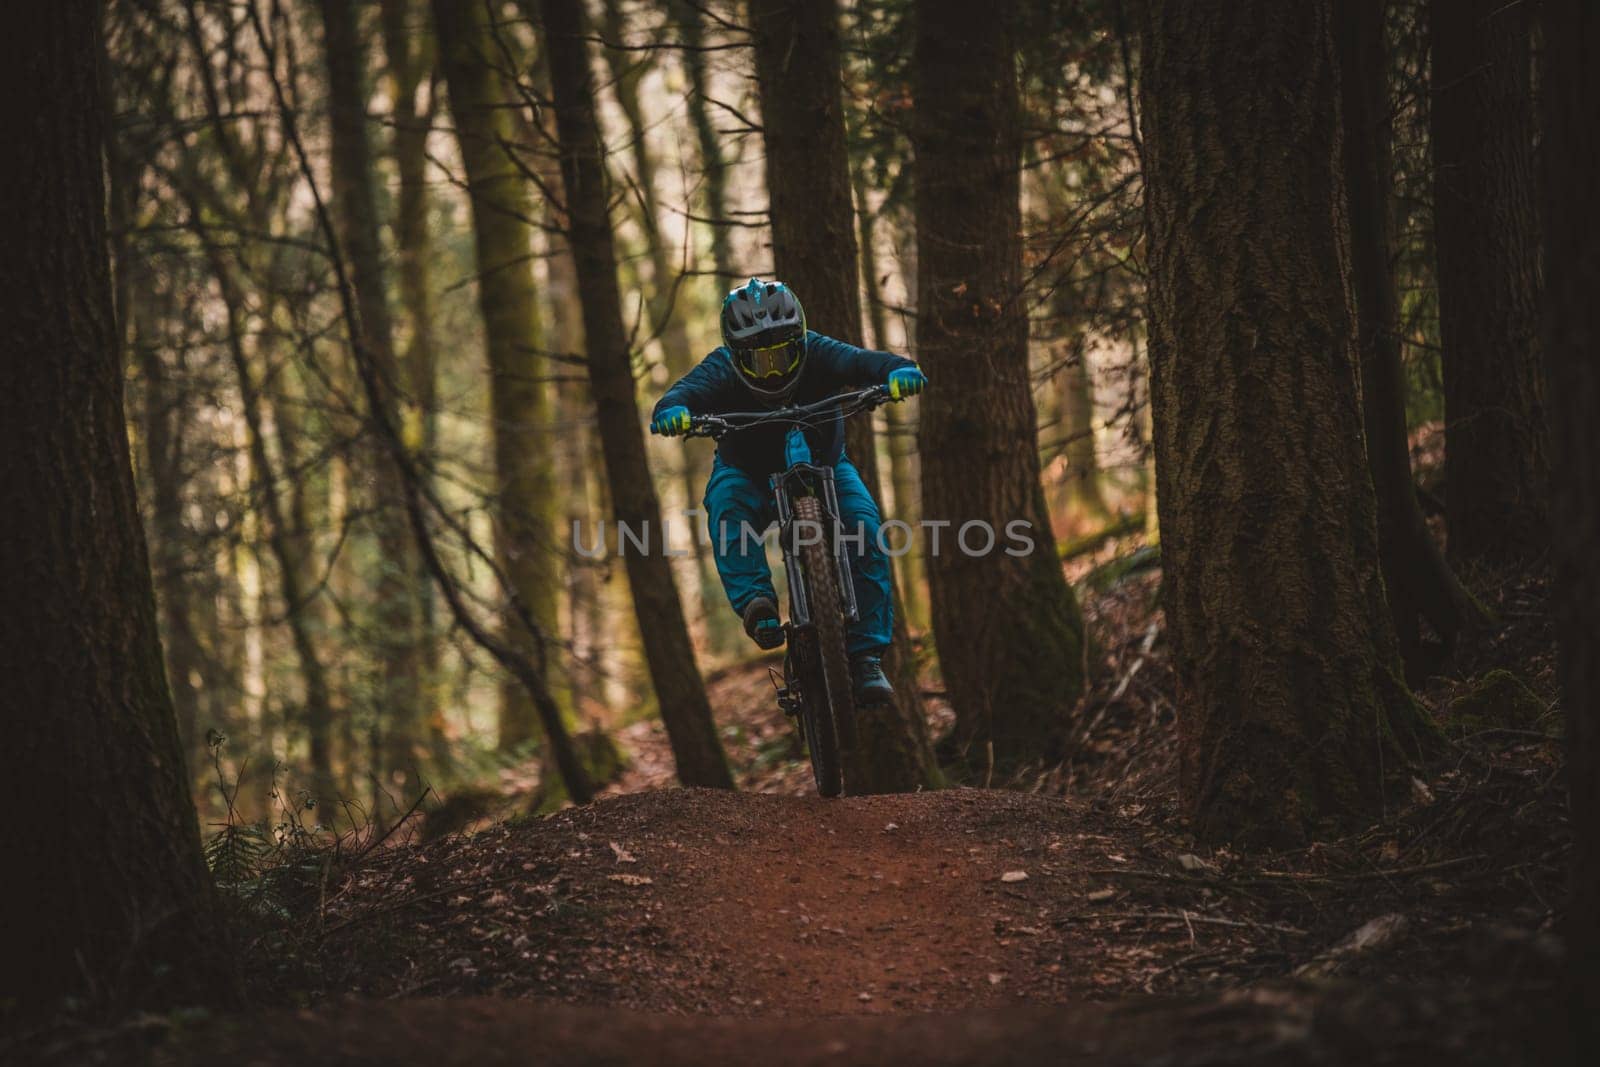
[713, 388]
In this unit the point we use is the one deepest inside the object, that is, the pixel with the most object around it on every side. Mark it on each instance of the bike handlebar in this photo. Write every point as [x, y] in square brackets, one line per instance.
[715, 426]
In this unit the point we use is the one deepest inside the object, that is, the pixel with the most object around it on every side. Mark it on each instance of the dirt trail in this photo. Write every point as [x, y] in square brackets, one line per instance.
[868, 905]
[694, 926]
[737, 904]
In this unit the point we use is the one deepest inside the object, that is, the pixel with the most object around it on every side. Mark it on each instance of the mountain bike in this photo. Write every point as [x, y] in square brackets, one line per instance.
[815, 689]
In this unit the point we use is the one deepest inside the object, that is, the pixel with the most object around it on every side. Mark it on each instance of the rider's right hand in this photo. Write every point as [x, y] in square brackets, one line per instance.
[671, 422]
[906, 381]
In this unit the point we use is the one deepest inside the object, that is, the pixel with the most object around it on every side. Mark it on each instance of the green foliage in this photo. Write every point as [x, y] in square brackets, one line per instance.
[263, 869]
[238, 852]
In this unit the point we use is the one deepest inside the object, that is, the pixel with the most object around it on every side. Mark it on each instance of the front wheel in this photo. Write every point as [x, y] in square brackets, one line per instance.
[823, 668]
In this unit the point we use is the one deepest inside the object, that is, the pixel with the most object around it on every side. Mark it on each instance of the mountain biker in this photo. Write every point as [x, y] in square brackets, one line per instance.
[768, 355]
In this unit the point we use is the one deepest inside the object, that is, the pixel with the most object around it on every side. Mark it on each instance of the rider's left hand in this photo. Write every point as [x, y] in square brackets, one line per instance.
[906, 381]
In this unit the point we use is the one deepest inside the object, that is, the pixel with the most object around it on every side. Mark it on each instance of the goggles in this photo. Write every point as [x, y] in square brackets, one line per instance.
[777, 360]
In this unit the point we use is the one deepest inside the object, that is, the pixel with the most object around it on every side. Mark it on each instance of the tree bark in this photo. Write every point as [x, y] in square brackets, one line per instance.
[355, 207]
[1291, 705]
[1419, 584]
[502, 213]
[115, 902]
[814, 250]
[1486, 236]
[1570, 92]
[679, 690]
[1010, 636]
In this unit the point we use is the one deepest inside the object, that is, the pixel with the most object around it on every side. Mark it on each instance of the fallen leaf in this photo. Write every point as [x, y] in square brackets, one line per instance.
[623, 855]
[1102, 894]
[631, 879]
[1014, 876]
[995, 978]
[1190, 862]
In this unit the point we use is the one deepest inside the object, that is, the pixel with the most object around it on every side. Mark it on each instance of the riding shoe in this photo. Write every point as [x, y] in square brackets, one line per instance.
[868, 681]
[761, 623]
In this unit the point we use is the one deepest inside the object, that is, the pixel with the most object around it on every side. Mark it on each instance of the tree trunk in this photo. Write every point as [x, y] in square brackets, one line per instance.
[1291, 705]
[1486, 234]
[410, 59]
[691, 32]
[814, 251]
[899, 422]
[1074, 393]
[627, 69]
[722, 626]
[572, 396]
[578, 458]
[115, 902]
[164, 418]
[684, 709]
[502, 212]
[1075, 384]
[1570, 91]
[288, 543]
[397, 698]
[1010, 636]
[1420, 585]
[666, 316]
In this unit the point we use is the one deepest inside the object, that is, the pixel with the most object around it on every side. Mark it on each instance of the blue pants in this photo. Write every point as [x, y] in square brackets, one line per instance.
[736, 501]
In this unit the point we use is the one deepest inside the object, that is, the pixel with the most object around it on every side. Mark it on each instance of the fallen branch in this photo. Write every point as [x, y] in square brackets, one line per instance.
[1370, 937]
[1287, 877]
[1188, 917]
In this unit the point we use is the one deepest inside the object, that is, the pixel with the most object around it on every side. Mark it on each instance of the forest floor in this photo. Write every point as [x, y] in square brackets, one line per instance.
[1070, 920]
